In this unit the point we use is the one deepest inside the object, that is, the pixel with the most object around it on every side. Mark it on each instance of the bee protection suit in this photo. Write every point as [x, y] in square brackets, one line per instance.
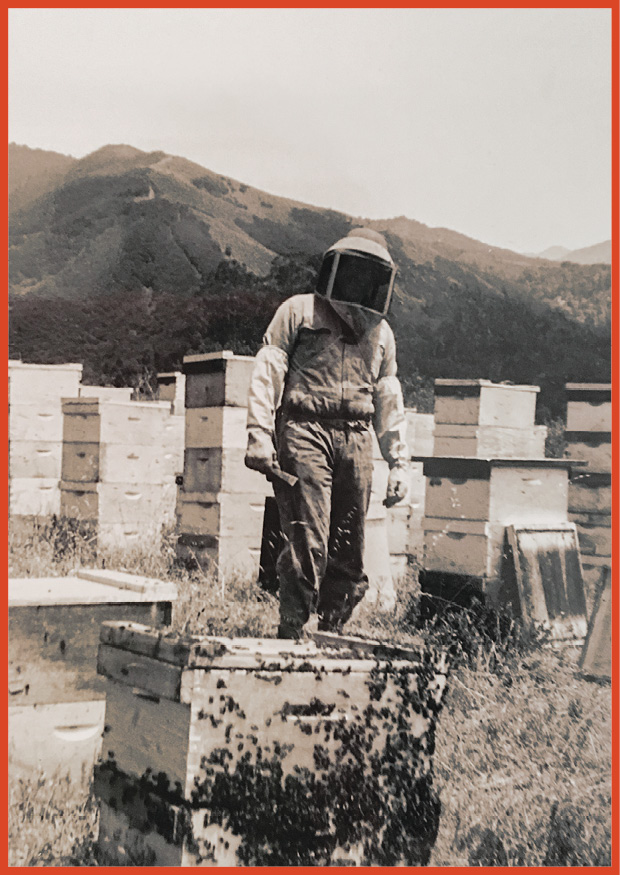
[326, 374]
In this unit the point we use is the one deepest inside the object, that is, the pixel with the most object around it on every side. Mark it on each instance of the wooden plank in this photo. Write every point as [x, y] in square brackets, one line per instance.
[368, 647]
[123, 840]
[147, 732]
[149, 586]
[150, 675]
[595, 658]
[549, 578]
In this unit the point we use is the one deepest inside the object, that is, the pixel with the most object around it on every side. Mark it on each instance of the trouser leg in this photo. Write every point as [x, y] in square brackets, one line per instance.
[345, 583]
[304, 449]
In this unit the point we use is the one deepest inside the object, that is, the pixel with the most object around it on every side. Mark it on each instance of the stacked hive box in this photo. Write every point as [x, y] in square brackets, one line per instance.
[469, 503]
[56, 698]
[113, 468]
[35, 434]
[222, 502]
[233, 733]
[470, 500]
[588, 437]
[477, 418]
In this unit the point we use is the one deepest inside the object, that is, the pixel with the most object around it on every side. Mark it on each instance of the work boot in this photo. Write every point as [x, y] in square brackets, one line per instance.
[289, 629]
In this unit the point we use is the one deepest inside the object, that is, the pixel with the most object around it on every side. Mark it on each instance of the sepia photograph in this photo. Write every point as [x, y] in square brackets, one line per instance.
[310, 437]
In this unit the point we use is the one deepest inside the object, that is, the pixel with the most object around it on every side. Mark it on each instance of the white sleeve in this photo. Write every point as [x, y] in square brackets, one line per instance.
[390, 422]
[266, 387]
[271, 367]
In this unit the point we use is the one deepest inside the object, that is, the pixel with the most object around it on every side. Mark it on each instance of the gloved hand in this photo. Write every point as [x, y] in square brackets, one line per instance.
[261, 453]
[397, 485]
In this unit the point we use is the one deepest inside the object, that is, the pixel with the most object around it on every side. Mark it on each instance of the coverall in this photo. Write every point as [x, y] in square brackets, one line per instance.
[326, 373]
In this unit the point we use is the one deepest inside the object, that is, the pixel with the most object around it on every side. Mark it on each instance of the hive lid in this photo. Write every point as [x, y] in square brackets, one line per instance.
[88, 587]
[264, 654]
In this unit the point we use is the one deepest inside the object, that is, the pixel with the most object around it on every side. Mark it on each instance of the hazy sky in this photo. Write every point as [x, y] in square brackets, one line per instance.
[492, 122]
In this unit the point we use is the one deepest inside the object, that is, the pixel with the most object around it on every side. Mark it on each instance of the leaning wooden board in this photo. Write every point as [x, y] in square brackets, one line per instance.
[199, 729]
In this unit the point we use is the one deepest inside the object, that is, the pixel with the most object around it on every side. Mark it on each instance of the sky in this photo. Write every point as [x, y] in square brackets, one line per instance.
[492, 122]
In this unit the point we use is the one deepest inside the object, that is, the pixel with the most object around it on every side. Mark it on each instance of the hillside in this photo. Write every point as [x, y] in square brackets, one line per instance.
[149, 240]
[600, 253]
[33, 173]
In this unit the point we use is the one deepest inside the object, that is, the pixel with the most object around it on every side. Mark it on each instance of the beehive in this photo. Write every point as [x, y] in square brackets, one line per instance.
[213, 743]
[41, 384]
[118, 467]
[469, 503]
[221, 504]
[490, 441]
[481, 402]
[56, 697]
[218, 379]
[588, 407]
[35, 434]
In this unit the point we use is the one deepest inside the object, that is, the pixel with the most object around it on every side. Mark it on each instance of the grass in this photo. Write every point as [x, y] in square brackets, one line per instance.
[523, 746]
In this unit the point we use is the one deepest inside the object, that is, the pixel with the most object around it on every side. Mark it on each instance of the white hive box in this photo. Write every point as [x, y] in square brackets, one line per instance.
[92, 420]
[56, 697]
[481, 402]
[36, 422]
[221, 469]
[490, 441]
[216, 427]
[34, 496]
[113, 502]
[224, 556]
[590, 492]
[217, 379]
[593, 447]
[179, 708]
[588, 407]
[497, 490]
[35, 459]
[470, 547]
[113, 463]
[469, 503]
[106, 393]
[41, 384]
[222, 514]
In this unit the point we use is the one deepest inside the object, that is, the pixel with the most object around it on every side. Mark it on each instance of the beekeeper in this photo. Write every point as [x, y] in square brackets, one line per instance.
[326, 374]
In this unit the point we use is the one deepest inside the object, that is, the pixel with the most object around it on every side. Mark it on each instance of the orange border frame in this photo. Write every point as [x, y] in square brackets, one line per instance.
[614, 7]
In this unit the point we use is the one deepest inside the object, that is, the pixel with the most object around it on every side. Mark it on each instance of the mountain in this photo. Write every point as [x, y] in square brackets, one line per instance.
[127, 260]
[553, 253]
[600, 253]
[33, 173]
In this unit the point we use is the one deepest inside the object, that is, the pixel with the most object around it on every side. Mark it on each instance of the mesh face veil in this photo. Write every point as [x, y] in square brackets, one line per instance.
[358, 270]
